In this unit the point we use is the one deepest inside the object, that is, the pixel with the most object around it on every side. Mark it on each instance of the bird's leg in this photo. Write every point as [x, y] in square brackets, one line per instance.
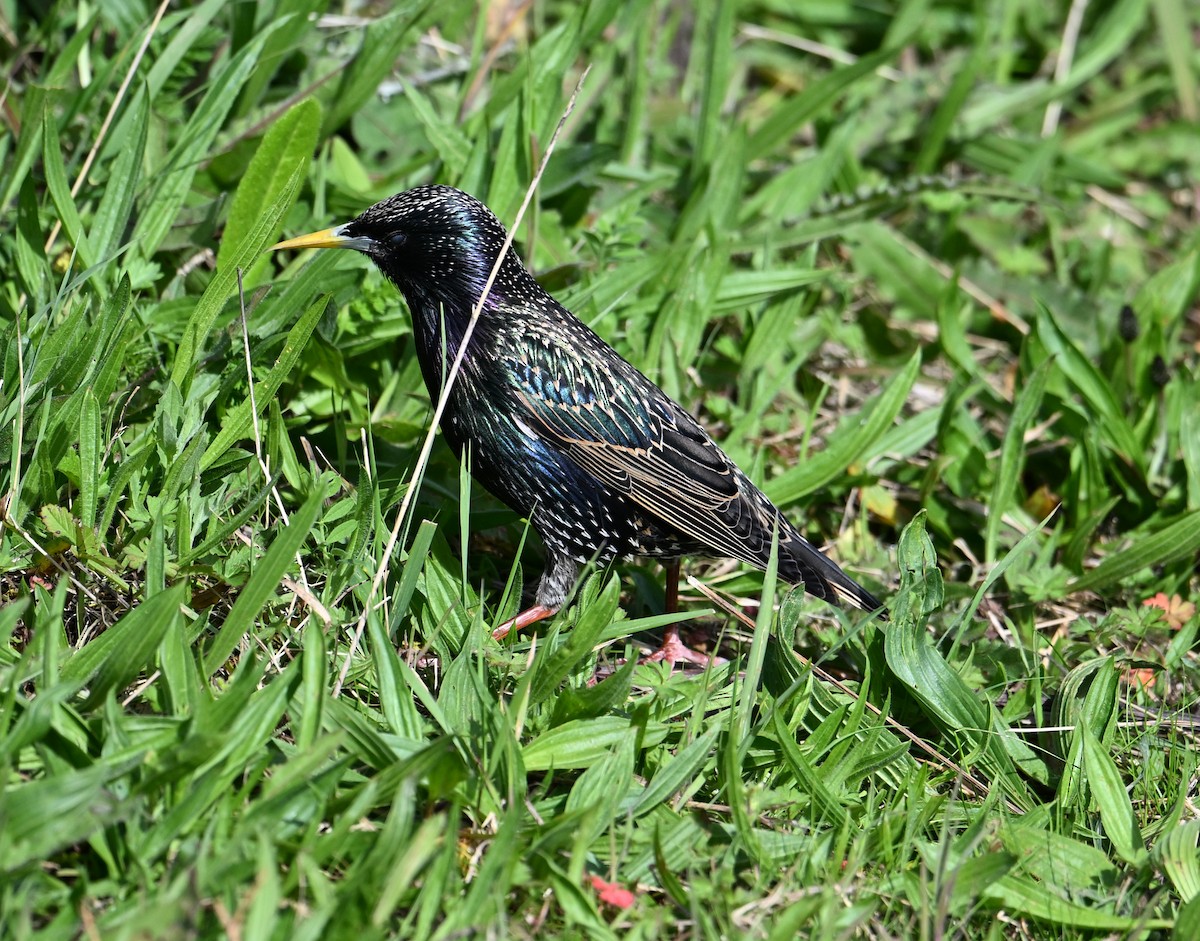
[539, 612]
[671, 570]
[673, 649]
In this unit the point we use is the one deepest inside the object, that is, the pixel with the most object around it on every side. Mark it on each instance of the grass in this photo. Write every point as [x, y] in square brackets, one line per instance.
[927, 270]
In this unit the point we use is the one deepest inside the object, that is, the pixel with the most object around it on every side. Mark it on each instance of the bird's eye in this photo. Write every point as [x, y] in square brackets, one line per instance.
[396, 239]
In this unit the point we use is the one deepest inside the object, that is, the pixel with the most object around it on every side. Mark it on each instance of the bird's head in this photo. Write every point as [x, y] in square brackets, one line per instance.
[436, 243]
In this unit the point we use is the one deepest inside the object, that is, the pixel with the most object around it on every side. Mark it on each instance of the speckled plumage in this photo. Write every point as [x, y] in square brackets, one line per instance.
[559, 426]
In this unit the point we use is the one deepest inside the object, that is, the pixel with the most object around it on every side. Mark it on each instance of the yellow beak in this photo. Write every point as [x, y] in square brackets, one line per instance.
[326, 238]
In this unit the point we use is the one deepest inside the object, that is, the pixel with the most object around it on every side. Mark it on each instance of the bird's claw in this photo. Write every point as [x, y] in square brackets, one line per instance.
[673, 650]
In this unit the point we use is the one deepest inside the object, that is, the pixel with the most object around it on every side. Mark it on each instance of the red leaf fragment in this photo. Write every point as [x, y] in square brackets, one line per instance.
[612, 894]
[1176, 611]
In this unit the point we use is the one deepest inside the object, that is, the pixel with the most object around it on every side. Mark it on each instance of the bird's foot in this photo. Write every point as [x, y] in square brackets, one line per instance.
[539, 612]
[674, 650]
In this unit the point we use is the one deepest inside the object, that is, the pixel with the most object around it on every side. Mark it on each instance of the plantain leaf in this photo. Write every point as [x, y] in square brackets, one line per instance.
[286, 149]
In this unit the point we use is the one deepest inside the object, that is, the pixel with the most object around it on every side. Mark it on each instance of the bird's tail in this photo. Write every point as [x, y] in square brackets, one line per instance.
[850, 592]
[822, 577]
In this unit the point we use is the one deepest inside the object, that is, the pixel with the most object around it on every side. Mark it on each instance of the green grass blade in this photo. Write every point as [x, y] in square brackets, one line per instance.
[60, 192]
[1116, 812]
[1178, 540]
[787, 118]
[1095, 389]
[115, 657]
[223, 285]
[849, 446]
[89, 459]
[597, 616]
[125, 176]
[1012, 455]
[264, 582]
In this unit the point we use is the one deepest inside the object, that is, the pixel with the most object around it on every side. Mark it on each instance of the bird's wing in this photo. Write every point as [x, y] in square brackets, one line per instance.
[617, 425]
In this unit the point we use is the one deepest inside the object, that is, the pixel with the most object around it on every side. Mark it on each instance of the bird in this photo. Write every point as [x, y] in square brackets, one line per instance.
[558, 425]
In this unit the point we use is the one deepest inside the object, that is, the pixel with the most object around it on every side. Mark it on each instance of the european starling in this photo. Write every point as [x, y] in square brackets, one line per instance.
[562, 429]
